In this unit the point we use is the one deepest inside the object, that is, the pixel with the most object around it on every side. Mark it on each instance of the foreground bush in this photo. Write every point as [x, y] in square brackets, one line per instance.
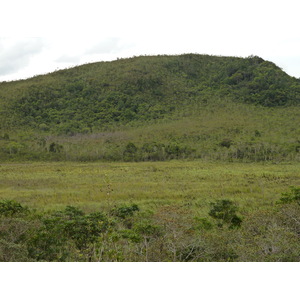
[170, 233]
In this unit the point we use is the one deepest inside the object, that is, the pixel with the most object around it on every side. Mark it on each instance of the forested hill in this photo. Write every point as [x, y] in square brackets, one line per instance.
[139, 89]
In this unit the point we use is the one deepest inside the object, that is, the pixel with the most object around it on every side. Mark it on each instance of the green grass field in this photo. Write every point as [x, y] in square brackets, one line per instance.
[93, 186]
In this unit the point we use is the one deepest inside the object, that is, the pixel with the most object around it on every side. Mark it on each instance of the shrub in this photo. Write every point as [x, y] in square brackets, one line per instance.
[10, 208]
[72, 212]
[175, 151]
[203, 223]
[225, 211]
[55, 148]
[292, 196]
[130, 152]
[64, 234]
[13, 147]
[49, 242]
[147, 229]
[125, 211]
[82, 229]
[153, 151]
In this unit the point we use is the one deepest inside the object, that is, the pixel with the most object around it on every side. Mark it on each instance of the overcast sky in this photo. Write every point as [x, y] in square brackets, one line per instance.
[38, 37]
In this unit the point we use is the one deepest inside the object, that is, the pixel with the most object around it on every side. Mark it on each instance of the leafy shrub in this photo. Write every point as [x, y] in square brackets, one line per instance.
[147, 229]
[292, 196]
[153, 151]
[175, 151]
[64, 233]
[13, 147]
[82, 229]
[43, 127]
[125, 211]
[225, 211]
[73, 212]
[55, 148]
[130, 152]
[49, 242]
[257, 133]
[133, 236]
[203, 223]
[10, 208]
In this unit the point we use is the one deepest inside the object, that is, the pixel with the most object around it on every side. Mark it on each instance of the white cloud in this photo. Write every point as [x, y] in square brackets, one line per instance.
[88, 31]
[15, 54]
[68, 59]
[108, 45]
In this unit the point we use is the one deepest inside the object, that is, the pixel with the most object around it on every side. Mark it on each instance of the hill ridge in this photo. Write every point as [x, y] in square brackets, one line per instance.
[154, 107]
[145, 87]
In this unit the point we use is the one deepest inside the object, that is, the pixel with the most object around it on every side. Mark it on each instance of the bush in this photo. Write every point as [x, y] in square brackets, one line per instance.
[292, 196]
[225, 211]
[130, 152]
[55, 148]
[175, 151]
[64, 234]
[202, 224]
[49, 241]
[82, 229]
[153, 151]
[125, 211]
[9, 208]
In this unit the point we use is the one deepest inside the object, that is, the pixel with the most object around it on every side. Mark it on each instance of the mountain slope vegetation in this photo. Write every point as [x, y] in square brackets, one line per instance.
[154, 107]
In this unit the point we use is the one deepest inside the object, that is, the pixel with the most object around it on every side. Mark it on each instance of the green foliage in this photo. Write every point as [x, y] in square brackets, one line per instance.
[65, 230]
[146, 229]
[72, 212]
[153, 108]
[153, 151]
[203, 223]
[11, 208]
[55, 148]
[125, 211]
[175, 151]
[225, 211]
[84, 230]
[95, 95]
[291, 197]
[130, 152]
[170, 233]
[48, 242]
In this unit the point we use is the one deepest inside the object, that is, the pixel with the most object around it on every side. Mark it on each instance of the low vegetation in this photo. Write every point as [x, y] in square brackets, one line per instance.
[172, 233]
[149, 211]
[222, 131]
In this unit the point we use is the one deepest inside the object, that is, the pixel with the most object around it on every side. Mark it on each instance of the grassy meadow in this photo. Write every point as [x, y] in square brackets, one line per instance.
[93, 186]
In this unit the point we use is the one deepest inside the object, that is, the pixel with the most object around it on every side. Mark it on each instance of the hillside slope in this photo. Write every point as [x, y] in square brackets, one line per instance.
[154, 108]
[91, 96]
